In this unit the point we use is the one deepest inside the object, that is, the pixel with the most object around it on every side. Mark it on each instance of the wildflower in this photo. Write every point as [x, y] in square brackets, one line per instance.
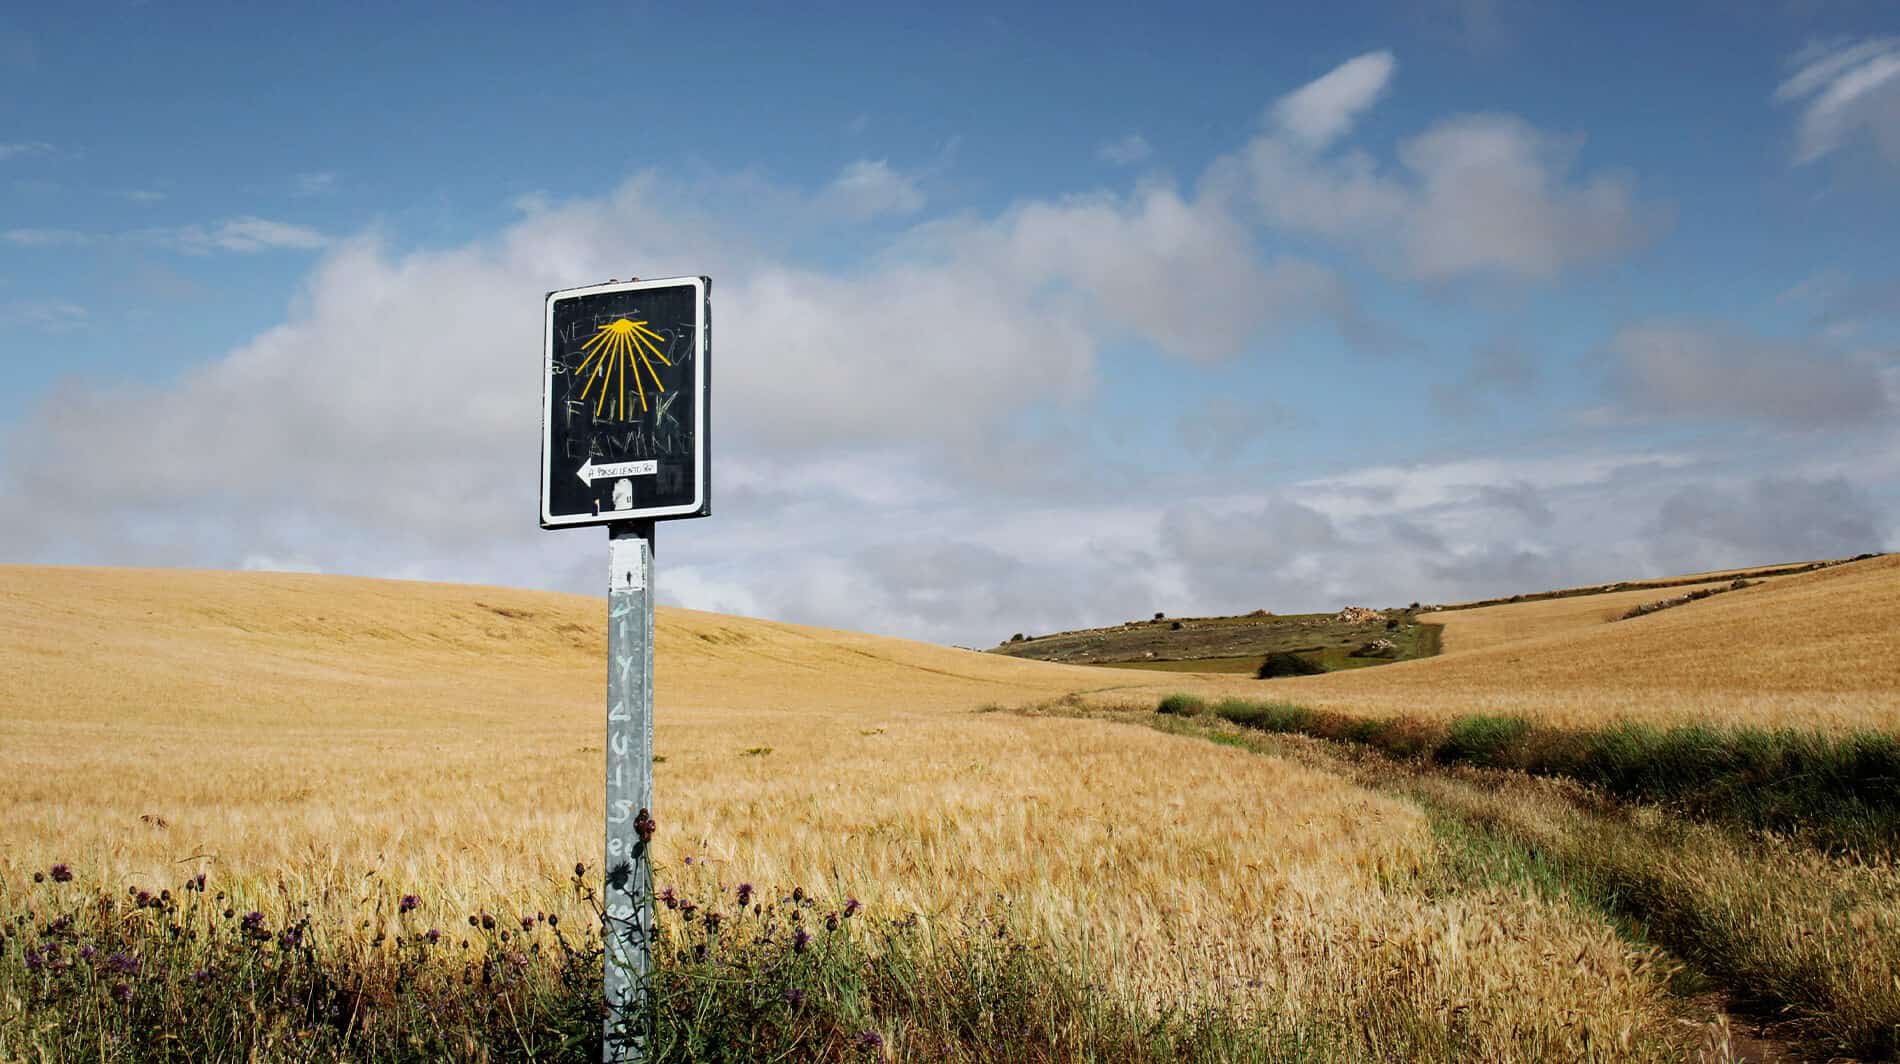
[689, 860]
[831, 921]
[851, 907]
[86, 953]
[488, 922]
[408, 903]
[253, 925]
[687, 908]
[795, 997]
[554, 919]
[122, 993]
[201, 975]
[527, 923]
[433, 936]
[290, 937]
[800, 939]
[196, 883]
[33, 959]
[745, 895]
[474, 921]
[798, 893]
[712, 923]
[871, 1040]
[145, 899]
[39, 877]
[229, 913]
[122, 963]
[669, 899]
[62, 874]
[579, 870]
[644, 826]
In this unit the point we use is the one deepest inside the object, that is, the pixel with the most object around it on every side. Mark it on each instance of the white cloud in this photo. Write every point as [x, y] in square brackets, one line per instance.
[1846, 89]
[1125, 150]
[1492, 197]
[42, 238]
[23, 149]
[1324, 109]
[53, 316]
[244, 235]
[1709, 371]
[313, 184]
[868, 188]
[1475, 195]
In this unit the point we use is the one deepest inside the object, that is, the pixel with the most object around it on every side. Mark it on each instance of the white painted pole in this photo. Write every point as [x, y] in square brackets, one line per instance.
[628, 897]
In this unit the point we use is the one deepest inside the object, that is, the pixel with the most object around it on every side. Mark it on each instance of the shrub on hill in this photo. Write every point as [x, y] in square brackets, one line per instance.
[1182, 706]
[1286, 663]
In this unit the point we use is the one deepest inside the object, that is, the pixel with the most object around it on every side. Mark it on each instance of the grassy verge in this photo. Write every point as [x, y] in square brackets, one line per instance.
[1839, 792]
[1808, 938]
[185, 976]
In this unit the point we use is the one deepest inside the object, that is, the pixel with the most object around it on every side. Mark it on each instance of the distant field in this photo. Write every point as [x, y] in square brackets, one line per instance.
[1231, 644]
[1816, 649]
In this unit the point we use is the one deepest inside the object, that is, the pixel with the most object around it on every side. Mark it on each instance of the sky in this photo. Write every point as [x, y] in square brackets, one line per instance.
[1028, 317]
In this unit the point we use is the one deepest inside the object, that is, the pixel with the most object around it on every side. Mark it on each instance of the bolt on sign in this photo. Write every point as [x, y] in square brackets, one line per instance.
[624, 388]
[624, 418]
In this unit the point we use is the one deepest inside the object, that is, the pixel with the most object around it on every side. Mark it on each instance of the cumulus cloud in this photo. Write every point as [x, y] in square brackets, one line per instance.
[1125, 150]
[1707, 371]
[1485, 194]
[1325, 108]
[1846, 89]
[868, 188]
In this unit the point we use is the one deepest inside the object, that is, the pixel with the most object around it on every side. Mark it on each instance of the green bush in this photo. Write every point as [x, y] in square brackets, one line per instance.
[1286, 663]
[1280, 717]
[1178, 705]
[1483, 740]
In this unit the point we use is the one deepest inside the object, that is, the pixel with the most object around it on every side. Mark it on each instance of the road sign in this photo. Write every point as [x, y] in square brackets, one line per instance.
[624, 412]
[623, 443]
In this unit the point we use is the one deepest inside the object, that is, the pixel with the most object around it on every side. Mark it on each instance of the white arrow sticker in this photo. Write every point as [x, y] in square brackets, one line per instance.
[589, 472]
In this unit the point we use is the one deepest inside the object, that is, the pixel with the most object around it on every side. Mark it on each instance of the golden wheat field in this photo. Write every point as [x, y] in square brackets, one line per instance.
[1488, 626]
[346, 741]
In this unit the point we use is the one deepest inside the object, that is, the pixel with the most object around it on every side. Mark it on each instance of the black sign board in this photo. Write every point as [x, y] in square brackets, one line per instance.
[625, 386]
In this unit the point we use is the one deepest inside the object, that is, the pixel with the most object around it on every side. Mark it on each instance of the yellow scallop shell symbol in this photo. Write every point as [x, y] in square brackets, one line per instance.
[621, 349]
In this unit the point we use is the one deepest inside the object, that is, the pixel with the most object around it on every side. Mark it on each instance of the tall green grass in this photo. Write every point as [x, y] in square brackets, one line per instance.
[1839, 791]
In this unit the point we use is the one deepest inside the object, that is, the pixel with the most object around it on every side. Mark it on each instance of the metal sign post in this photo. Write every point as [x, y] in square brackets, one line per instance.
[625, 387]
[628, 898]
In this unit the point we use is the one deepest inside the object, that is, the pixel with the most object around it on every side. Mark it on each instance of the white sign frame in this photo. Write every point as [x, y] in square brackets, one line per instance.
[702, 332]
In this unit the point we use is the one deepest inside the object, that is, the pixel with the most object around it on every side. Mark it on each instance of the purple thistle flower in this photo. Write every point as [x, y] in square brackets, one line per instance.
[851, 907]
[433, 936]
[123, 963]
[527, 923]
[745, 895]
[122, 993]
[800, 939]
[669, 899]
[408, 903]
[831, 921]
[871, 1040]
[795, 997]
[145, 899]
[62, 874]
[712, 923]
[86, 953]
[33, 959]
[291, 937]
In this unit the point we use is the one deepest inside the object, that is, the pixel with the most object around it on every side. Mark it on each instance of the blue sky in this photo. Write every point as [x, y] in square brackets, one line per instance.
[1029, 318]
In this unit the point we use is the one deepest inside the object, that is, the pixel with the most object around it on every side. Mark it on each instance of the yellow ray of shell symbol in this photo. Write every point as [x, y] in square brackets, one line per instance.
[620, 348]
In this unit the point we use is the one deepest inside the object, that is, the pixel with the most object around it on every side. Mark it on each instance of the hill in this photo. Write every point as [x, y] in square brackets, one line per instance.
[1817, 648]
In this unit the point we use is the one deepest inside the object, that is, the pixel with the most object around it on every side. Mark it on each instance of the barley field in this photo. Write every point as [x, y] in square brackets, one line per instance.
[346, 742]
